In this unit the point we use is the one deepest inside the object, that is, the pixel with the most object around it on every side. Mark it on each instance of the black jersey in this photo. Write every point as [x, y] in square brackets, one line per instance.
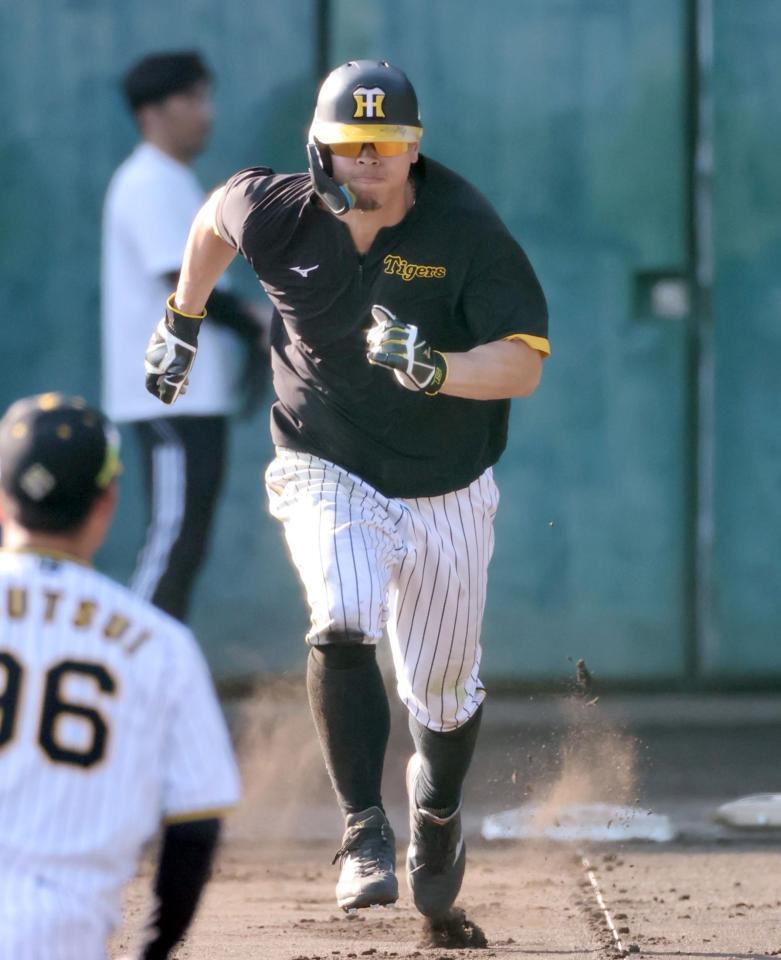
[450, 267]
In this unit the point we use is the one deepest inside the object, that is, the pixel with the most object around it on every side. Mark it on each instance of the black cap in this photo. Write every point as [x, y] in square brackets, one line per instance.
[56, 455]
[160, 75]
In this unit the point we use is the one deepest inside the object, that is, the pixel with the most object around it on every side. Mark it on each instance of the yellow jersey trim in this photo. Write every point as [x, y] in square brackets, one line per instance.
[190, 815]
[536, 343]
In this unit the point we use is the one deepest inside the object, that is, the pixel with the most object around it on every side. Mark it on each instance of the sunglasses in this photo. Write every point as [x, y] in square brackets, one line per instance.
[384, 148]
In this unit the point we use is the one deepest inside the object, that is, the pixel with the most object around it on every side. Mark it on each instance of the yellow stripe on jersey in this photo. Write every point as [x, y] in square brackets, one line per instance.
[190, 815]
[536, 343]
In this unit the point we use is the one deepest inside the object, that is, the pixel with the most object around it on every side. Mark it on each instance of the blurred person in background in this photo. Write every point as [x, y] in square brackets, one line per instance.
[150, 204]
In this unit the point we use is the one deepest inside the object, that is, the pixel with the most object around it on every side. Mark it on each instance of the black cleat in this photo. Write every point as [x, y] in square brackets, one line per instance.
[436, 857]
[368, 861]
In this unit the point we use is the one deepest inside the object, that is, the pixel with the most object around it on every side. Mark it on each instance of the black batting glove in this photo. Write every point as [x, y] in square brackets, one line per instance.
[170, 353]
[398, 346]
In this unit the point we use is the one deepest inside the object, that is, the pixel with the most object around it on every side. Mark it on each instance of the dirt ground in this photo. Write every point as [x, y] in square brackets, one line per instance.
[710, 893]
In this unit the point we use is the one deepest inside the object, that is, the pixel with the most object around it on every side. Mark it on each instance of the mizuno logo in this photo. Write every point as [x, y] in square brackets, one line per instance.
[305, 271]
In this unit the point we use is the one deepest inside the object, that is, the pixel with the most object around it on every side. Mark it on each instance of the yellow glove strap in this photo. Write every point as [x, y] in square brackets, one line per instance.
[190, 316]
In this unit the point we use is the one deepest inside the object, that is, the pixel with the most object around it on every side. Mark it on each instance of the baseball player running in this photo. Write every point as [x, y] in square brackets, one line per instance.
[409, 317]
[108, 719]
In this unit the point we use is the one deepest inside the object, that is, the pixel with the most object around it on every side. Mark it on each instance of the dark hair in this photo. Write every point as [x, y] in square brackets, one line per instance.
[159, 75]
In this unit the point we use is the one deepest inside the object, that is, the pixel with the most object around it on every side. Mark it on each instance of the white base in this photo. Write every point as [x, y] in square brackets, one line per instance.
[573, 822]
[759, 811]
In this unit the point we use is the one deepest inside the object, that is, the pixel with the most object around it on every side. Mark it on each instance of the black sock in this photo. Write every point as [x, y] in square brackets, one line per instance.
[350, 708]
[445, 760]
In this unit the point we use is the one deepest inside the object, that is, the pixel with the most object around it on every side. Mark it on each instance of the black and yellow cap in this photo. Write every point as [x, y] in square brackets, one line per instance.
[56, 455]
[364, 101]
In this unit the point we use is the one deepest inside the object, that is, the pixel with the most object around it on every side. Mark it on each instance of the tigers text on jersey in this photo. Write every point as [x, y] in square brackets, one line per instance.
[450, 267]
[108, 724]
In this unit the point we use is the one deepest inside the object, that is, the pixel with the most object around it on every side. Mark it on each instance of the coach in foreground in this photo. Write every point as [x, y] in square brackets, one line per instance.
[409, 317]
[108, 720]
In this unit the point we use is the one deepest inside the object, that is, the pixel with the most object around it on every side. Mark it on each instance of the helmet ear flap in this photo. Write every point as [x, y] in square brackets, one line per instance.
[336, 197]
[325, 156]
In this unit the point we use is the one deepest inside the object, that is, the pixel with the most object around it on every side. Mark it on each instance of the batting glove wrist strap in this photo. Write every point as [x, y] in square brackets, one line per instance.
[170, 353]
[440, 373]
[398, 346]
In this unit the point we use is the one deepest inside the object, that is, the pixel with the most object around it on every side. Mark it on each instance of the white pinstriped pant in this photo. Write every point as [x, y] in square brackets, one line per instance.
[414, 566]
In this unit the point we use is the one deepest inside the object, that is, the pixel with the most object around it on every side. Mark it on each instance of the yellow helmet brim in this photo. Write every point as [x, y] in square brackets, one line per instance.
[364, 132]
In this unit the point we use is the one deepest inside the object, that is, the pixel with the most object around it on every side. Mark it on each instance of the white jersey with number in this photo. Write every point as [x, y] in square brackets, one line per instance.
[108, 724]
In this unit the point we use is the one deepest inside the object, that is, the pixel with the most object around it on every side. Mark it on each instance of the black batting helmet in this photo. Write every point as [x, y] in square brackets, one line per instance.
[366, 101]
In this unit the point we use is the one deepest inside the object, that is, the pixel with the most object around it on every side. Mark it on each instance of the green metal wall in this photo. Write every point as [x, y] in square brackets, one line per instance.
[573, 116]
[746, 632]
[570, 116]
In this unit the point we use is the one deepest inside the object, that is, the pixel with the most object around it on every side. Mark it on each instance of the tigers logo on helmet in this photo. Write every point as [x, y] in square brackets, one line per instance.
[368, 102]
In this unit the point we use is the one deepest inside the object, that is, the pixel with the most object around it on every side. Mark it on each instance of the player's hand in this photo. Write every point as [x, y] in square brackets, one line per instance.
[170, 353]
[398, 346]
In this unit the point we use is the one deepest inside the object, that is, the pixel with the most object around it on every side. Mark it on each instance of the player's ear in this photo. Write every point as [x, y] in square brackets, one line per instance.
[413, 152]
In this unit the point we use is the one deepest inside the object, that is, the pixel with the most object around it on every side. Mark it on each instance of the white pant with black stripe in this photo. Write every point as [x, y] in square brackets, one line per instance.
[183, 459]
[416, 567]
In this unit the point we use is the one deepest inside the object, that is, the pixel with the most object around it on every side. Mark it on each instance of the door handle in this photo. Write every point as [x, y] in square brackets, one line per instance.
[661, 295]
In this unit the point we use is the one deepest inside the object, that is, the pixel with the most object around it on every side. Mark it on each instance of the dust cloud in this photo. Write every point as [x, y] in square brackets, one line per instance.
[598, 765]
[281, 766]
[598, 761]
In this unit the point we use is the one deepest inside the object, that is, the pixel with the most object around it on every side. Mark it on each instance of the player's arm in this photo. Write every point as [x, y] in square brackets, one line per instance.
[199, 783]
[493, 371]
[505, 311]
[246, 318]
[206, 257]
[185, 864]
[173, 345]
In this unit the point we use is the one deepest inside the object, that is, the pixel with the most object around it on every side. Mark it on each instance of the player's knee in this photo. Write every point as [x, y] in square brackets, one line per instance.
[343, 649]
[449, 713]
[457, 726]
